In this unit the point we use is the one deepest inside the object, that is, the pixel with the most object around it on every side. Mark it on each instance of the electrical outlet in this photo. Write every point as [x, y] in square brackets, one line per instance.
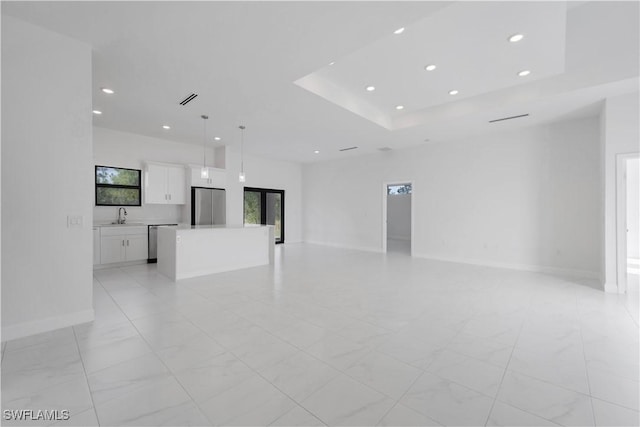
[74, 221]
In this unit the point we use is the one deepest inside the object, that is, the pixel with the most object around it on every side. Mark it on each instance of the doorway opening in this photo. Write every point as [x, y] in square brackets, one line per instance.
[632, 225]
[627, 222]
[263, 206]
[397, 224]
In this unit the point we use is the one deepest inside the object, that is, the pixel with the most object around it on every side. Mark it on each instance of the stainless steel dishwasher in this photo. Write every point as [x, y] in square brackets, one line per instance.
[153, 241]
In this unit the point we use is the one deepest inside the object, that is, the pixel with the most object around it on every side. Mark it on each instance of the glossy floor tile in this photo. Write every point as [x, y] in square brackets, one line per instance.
[328, 336]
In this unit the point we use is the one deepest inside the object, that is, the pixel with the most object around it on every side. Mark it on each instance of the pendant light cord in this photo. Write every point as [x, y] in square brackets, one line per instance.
[204, 141]
[242, 128]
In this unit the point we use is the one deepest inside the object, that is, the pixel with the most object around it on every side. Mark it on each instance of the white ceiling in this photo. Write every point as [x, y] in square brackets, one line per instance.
[265, 65]
[476, 58]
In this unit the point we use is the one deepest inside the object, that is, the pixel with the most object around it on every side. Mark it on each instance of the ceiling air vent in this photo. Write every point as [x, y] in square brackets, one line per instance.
[188, 99]
[508, 118]
[347, 149]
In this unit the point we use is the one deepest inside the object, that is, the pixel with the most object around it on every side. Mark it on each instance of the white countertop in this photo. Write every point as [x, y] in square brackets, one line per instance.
[128, 224]
[215, 227]
[134, 224]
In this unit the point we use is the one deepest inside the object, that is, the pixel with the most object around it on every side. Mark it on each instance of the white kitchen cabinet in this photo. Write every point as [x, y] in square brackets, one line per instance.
[155, 186]
[165, 184]
[112, 249]
[176, 185]
[123, 243]
[217, 178]
[137, 247]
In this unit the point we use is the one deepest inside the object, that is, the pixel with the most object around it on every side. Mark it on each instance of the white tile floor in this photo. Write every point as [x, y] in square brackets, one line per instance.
[337, 337]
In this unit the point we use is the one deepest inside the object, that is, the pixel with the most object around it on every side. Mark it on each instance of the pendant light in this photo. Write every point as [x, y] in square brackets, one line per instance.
[204, 172]
[241, 177]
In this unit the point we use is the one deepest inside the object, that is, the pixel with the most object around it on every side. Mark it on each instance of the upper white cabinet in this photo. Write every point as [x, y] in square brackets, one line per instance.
[176, 185]
[217, 177]
[165, 184]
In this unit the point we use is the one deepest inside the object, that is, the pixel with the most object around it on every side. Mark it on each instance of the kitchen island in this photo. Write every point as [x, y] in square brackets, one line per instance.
[190, 251]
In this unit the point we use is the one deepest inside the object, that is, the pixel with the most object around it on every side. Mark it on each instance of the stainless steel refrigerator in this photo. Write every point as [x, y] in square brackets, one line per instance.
[208, 206]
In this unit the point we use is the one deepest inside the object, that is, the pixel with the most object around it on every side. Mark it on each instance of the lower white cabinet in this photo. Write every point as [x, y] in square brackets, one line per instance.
[124, 243]
[137, 247]
[112, 249]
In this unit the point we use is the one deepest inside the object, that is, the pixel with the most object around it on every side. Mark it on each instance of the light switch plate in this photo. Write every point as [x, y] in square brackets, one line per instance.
[74, 221]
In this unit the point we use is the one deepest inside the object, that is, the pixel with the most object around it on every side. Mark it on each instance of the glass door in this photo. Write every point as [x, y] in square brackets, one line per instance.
[265, 206]
[274, 214]
[252, 207]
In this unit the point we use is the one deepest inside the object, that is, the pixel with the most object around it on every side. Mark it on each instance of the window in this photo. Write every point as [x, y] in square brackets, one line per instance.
[399, 189]
[266, 207]
[118, 186]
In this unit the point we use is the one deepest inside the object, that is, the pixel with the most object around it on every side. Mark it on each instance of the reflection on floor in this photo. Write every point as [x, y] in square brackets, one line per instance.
[632, 302]
[336, 337]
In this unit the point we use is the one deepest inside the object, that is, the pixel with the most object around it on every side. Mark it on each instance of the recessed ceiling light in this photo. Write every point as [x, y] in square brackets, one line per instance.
[453, 92]
[166, 127]
[399, 30]
[332, 62]
[370, 88]
[97, 112]
[316, 152]
[524, 73]
[216, 138]
[399, 107]
[430, 67]
[107, 90]
[516, 38]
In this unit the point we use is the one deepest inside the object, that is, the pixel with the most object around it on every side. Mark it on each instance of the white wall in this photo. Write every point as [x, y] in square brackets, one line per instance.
[620, 117]
[46, 176]
[115, 148]
[399, 216]
[525, 199]
[633, 208]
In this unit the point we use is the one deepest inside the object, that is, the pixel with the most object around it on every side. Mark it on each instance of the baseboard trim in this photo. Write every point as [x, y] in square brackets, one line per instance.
[581, 274]
[611, 288]
[46, 325]
[341, 246]
[119, 264]
[593, 277]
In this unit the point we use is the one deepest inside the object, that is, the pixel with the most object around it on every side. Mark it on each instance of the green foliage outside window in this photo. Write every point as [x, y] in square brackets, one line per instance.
[399, 189]
[117, 176]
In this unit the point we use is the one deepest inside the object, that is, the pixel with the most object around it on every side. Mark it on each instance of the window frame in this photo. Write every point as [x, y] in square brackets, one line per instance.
[129, 187]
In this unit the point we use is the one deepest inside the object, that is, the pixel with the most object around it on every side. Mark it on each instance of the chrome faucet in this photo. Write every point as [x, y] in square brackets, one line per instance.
[122, 218]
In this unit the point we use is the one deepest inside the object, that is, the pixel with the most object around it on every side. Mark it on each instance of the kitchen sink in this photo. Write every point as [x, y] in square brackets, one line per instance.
[115, 224]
